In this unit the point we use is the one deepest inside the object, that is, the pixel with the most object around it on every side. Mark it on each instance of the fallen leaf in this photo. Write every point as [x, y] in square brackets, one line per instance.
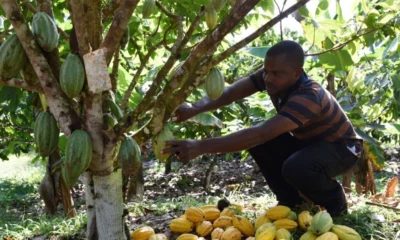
[391, 187]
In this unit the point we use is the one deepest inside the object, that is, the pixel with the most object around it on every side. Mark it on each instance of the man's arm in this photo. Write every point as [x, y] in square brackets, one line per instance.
[241, 140]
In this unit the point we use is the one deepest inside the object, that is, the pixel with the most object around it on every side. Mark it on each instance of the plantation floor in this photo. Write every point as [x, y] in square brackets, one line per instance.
[167, 196]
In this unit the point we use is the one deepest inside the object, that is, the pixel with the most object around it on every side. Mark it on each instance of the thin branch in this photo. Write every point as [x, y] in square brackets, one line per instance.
[79, 22]
[19, 83]
[118, 27]
[109, 10]
[33, 10]
[114, 73]
[168, 13]
[313, 42]
[280, 22]
[257, 33]
[382, 205]
[137, 47]
[158, 26]
[192, 27]
[165, 37]
[135, 79]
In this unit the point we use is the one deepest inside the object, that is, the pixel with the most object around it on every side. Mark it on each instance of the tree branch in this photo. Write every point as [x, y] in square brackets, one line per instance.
[192, 27]
[118, 27]
[19, 83]
[110, 9]
[257, 33]
[58, 102]
[137, 47]
[94, 26]
[114, 73]
[79, 21]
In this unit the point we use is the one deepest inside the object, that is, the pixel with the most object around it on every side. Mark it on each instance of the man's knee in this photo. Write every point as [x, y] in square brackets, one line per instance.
[290, 171]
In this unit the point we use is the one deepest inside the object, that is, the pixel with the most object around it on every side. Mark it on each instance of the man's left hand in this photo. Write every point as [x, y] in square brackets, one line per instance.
[185, 150]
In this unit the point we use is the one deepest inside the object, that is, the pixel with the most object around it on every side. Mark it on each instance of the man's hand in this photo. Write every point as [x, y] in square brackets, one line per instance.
[184, 112]
[185, 150]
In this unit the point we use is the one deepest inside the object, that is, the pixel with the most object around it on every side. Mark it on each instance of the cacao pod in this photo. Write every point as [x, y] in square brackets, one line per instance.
[172, 74]
[292, 216]
[29, 74]
[45, 31]
[78, 155]
[204, 228]
[143, 233]
[305, 219]
[285, 223]
[321, 223]
[345, 233]
[222, 222]
[228, 212]
[180, 225]
[251, 238]
[129, 156]
[208, 206]
[148, 8]
[72, 76]
[278, 212]
[46, 133]
[219, 5]
[108, 121]
[214, 84]
[12, 57]
[308, 236]
[283, 234]
[187, 236]
[114, 108]
[328, 236]
[211, 18]
[158, 236]
[231, 233]
[236, 207]
[217, 233]
[243, 224]
[195, 214]
[158, 143]
[261, 220]
[183, 217]
[267, 231]
[211, 213]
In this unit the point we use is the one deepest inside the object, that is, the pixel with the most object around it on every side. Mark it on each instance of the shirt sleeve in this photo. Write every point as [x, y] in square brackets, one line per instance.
[258, 81]
[302, 107]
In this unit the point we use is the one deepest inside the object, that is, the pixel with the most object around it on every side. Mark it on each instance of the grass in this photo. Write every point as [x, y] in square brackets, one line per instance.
[22, 215]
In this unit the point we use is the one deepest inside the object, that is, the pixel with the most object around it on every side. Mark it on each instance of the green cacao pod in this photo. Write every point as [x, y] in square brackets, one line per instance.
[345, 233]
[44, 30]
[46, 133]
[78, 155]
[158, 143]
[129, 156]
[321, 223]
[72, 76]
[308, 236]
[173, 72]
[108, 120]
[211, 18]
[148, 8]
[214, 83]
[283, 234]
[115, 110]
[292, 216]
[12, 57]
[219, 5]
[29, 74]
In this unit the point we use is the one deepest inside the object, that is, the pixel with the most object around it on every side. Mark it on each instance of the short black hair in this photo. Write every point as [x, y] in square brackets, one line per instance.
[293, 52]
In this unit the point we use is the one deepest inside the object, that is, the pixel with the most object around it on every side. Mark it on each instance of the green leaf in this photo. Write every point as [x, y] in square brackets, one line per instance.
[268, 6]
[322, 7]
[304, 12]
[259, 52]
[206, 119]
[391, 48]
[337, 60]
[339, 13]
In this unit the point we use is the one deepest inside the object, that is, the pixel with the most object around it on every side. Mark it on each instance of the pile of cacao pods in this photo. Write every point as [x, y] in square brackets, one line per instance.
[276, 223]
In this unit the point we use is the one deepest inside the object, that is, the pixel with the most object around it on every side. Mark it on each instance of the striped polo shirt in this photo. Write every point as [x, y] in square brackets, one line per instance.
[316, 112]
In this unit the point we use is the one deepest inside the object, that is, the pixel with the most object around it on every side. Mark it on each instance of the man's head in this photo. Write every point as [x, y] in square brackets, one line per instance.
[283, 66]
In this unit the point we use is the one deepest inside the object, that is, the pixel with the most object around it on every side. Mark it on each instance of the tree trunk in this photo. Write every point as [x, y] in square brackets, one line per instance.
[91, 211]
[136, 187]
[207, 178]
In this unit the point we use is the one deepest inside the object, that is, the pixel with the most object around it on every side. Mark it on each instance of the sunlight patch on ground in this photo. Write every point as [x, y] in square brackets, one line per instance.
[21, 168]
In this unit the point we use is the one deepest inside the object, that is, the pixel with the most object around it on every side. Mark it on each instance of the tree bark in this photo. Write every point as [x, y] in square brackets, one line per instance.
[90, 207]
[136, 186]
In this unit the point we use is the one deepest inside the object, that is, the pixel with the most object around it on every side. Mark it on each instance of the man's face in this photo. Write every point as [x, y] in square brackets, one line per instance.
[279, 75]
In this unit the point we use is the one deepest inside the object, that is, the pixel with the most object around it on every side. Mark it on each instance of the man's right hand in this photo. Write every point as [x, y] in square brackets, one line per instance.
[184, 112]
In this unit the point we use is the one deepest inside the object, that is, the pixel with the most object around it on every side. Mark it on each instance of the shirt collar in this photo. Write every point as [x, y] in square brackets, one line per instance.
[295, 86]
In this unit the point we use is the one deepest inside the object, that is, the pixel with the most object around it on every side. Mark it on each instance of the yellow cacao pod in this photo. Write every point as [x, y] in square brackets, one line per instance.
[321, 223]
[217, 233]
[208, 206]
[183, 217]
[228, 212]
[187, 236]
[261, 220]
[211, 213]
[231, 233]
[211, 18]
[286, 224]
[292, 216]
[236, 207]
[328, 236]
[308, 236]
[180, 225]
[143, 233]
[158, 236]
[251, 238]
[278, 212]
[345, 233]
[266, 231]
[223, 222]
[243, 224]
[283, 234]
[195, 214]
[204, 228]
[304, 219]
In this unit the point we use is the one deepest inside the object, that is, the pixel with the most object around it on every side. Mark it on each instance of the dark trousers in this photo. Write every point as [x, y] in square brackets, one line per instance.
[290, 165]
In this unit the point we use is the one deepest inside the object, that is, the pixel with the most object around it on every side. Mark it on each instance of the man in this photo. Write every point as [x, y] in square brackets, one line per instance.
[302, 148]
